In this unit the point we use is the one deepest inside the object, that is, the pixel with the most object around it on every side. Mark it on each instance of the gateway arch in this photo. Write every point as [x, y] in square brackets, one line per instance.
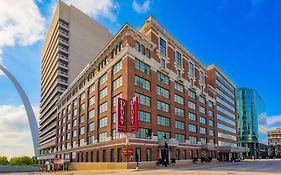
[29, 111]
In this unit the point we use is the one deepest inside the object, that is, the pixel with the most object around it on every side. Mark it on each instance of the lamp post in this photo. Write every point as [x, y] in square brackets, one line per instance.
[166, 148]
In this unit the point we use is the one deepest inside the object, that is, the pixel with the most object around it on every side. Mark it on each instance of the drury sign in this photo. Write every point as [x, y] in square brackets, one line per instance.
[121, 113]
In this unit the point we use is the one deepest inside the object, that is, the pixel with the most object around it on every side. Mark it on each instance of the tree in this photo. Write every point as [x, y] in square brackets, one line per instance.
[21, 161]
[3, 160]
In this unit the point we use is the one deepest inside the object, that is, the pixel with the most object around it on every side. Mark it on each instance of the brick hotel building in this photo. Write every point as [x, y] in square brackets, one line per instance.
[193, 105]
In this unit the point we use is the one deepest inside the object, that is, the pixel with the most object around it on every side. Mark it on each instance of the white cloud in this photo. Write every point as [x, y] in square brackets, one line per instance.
[20, 23]
[141, 8]
[96, 8]
[274, 120]
[15, 135]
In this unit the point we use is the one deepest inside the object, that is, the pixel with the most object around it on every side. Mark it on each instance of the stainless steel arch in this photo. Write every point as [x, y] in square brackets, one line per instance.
[29, 111]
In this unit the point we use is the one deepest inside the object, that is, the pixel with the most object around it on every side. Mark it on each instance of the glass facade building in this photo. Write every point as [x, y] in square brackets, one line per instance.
[251, 122]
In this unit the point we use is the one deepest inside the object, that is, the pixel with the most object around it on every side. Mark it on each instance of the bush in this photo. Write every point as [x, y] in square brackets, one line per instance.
[21, 161]
[3, 160]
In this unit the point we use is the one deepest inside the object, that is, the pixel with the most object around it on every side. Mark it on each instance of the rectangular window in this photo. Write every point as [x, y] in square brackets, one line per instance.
[210, 104]
[192, 140]
[143, 83]
[192, 128]
[211, 113]
[82, 96]
[162, 47]
[103, 79]
[163, 78]
[143, 100]
[163, 121]
[161, 134]
[202, 130]
[115, 135]
[91, 126]
[148, 154]
[103, 93]
[75, 112]
[224, 119]
[91, 114]
[74, 123]
[191, 94]
[179, 87]
[203, 141]
[201, 77]
[82, 107]
[191, 105]
[179, 99]
[144, 116]
[203, 120]
[202, 99]
[90, 140]
[117, 67]
[137, 46]
[192, 116]
[191, 70]
[179, 125]
[163, 92]
[82, 130]
[178, 59]
[103, 122]
[92, 88]
[179, 112]
[226, 128]
[141, 66]
[117, 83]
[102, 137]
[202, 109]
[163, 106]
[142, 133]
[211, 132]
[82, 119]
[180, 137]
[103, 107]
[162, 63]
[92, 101]
[211, 122]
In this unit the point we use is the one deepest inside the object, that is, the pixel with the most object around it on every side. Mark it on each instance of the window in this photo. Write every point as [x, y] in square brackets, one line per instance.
[75, 112]
[202, 130]
[82, 142]
[137, 46]
[82, 130]
[74, 133]
[226, 128]
[91, 126]
[103, 107]
[160, 135]
[202, 99]
[103, 93]
[162, 78]
[74, 122]
[225, 81]
[103, 122]
[148, 154]
[92, 88]
[103, 79]
[226, 112]
[163, 106]
[114, 117]
[142, 133]
[163, 92]
[82, 119]
[90, 139]
[179, 87]
[102, 137]
[162, 63]
[192, 116]
[114, 99]
[222, 118]
[162, 47]
[75, 102]
[210, 113]
[91, 114]
[192, 128]
[180, 137]
[191, 94]
[139, 65]
[82, 96]
[179, 125]
[203, 120]
[143, 83]
[202, 109]
[147, 53]
[191, 70]
[225, 96]
[224, 103]
[211, 122]
[179, 112]
[117, 67]
[211, 132]
[201, 77]
[179, 99]
[144, 116]
[191, 105]
[192, 140]
[143, 100]
[163, 121]
[142, 50]
[68, 116]
[82, 107]
[92, 101]
[203, 141]
[227, 136]
[115, 135]
[178, 59]
[210, 104]
[117, 83]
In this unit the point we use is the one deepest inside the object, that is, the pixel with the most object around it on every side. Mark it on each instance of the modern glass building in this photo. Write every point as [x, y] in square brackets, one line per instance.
[251, 122]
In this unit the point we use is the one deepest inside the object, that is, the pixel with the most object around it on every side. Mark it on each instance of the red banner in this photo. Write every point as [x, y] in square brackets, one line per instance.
[134, 115]
[121, 115]
[127, 151]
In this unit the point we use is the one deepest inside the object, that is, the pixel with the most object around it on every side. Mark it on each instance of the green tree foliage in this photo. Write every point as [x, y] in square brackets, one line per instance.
[3, 160]
[21, 161]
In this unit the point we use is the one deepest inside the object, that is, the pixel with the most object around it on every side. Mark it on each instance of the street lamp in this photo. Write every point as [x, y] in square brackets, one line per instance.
[166, 150]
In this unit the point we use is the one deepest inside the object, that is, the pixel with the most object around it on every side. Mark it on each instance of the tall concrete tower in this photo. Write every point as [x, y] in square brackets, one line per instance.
[72, 41]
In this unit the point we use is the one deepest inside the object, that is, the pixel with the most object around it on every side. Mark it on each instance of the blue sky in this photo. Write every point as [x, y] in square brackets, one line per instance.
[241, 36]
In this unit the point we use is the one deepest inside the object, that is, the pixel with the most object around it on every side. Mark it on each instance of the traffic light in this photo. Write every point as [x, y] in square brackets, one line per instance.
[149, 133]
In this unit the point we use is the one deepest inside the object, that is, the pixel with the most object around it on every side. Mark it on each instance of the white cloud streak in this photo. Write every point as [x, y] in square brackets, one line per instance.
[274, 120]
[15, 135]
[96, 8]
[141, 8]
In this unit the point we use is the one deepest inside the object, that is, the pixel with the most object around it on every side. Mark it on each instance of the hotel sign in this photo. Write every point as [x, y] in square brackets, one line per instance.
[134, 115]
[121, 115]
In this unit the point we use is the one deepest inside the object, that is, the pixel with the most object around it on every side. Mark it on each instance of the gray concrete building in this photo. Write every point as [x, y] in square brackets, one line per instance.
[72, 41]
